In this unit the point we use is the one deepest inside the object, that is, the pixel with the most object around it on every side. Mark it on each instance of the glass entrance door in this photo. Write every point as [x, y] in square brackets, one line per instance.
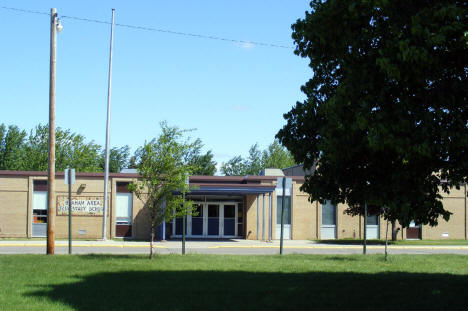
[213, 219]
[210, 219]
[197, 220]
[229, 220]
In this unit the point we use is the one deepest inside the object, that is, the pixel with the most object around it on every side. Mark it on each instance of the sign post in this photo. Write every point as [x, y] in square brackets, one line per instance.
[186, 181]
[69, 180]
[286, 183]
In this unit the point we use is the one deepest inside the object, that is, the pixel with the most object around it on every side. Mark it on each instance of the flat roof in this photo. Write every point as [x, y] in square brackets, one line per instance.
[195, 179]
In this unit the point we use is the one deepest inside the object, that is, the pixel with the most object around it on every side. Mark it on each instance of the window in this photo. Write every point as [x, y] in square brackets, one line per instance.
[213, 210]
[40, 207]
[287, 209]
[328, 214]
[197, 211]
[372, 220]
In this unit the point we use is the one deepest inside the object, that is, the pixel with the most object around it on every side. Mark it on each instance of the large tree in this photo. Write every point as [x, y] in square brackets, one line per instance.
[12, 144]
[275, 156]
[18, 151]
[386, 113]
[163, 169]
[71, 149]
[119, 158]
[202, 164]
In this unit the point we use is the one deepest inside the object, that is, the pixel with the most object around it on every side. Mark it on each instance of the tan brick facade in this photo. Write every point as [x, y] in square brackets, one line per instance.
[16, 211]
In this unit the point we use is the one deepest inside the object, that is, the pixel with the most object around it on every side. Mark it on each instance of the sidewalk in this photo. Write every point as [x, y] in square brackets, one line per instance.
[216, 244]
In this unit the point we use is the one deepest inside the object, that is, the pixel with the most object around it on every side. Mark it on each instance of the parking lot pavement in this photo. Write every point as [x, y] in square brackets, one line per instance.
[232, 247]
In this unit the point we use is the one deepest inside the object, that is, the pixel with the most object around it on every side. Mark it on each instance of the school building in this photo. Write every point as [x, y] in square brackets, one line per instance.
[247, 207]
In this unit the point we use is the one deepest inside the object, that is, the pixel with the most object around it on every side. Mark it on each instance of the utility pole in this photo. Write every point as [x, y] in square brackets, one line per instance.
[106, 161]
[54, 26]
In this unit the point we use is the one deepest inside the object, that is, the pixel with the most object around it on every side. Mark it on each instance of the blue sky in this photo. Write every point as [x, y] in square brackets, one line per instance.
[234, 94]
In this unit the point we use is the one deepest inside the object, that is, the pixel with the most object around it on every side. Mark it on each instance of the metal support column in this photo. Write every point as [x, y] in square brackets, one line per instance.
[258, 219]
[263, 220]
[270, 216]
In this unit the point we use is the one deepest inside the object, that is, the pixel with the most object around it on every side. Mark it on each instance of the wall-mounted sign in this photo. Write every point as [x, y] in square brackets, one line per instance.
[81, 206]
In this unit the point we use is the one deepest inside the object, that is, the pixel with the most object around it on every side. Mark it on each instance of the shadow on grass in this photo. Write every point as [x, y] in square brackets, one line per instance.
[231, 290]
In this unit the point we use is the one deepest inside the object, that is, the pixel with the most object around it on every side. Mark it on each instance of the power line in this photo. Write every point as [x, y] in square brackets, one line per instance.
[24, 11]
[180, 33]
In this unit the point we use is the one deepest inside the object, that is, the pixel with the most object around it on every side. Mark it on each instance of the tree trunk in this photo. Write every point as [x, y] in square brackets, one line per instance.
[151, 240]
[364, 245]
[394, 231]
[386, 242]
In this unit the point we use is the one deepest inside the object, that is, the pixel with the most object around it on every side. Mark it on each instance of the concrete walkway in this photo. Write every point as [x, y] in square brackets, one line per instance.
[234, 246]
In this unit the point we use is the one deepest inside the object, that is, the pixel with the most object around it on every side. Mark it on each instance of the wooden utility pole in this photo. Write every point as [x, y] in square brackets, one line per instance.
[51, 164]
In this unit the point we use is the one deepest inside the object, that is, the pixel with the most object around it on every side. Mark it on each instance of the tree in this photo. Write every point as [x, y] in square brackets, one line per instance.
[385, 116]
[234, 167]
[202, 164]
[12, 155]
[275, 156]
[71, 149]
[118, 159]
[239, 166]
[18, 151]
[163, 168]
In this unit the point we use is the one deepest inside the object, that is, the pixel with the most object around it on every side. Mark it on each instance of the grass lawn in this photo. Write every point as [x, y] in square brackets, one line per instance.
[399, 242]
[213, 282]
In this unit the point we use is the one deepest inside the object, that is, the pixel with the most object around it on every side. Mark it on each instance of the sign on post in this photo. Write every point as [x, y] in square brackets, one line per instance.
[67, 176]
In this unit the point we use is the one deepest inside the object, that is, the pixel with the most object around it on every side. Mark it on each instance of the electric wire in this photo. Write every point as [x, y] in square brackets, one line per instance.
[161, 30]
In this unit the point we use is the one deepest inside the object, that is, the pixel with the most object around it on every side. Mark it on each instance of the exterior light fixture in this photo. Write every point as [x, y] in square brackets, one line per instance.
[59, 25]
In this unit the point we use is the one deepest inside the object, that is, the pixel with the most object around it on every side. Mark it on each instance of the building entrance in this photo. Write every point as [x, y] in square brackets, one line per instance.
[210, 220]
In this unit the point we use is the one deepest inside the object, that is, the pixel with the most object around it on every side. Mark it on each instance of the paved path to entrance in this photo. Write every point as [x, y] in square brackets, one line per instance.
[235, 247]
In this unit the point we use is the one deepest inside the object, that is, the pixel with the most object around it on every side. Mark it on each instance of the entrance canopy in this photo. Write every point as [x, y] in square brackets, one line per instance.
[230, 189]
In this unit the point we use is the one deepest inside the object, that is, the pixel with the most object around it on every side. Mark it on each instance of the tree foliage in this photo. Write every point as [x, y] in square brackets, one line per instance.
[163, 168]
[19, 151]
[12, 145]
[119, 158]
[275, 156]
[386, 112]
[201, 164]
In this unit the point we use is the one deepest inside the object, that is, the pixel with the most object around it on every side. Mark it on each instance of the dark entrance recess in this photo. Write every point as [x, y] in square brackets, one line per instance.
[40, 185]
[413, 232]
[123, 231]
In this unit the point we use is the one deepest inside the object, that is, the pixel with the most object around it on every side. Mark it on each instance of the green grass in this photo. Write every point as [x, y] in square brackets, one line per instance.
[214, 282]
[399, 242]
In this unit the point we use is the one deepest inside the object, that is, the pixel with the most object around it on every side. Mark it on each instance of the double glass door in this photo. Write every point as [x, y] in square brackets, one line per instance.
[210, 220]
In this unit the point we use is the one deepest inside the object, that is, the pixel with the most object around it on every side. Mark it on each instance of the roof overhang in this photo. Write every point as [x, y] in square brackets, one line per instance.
[231, 189]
